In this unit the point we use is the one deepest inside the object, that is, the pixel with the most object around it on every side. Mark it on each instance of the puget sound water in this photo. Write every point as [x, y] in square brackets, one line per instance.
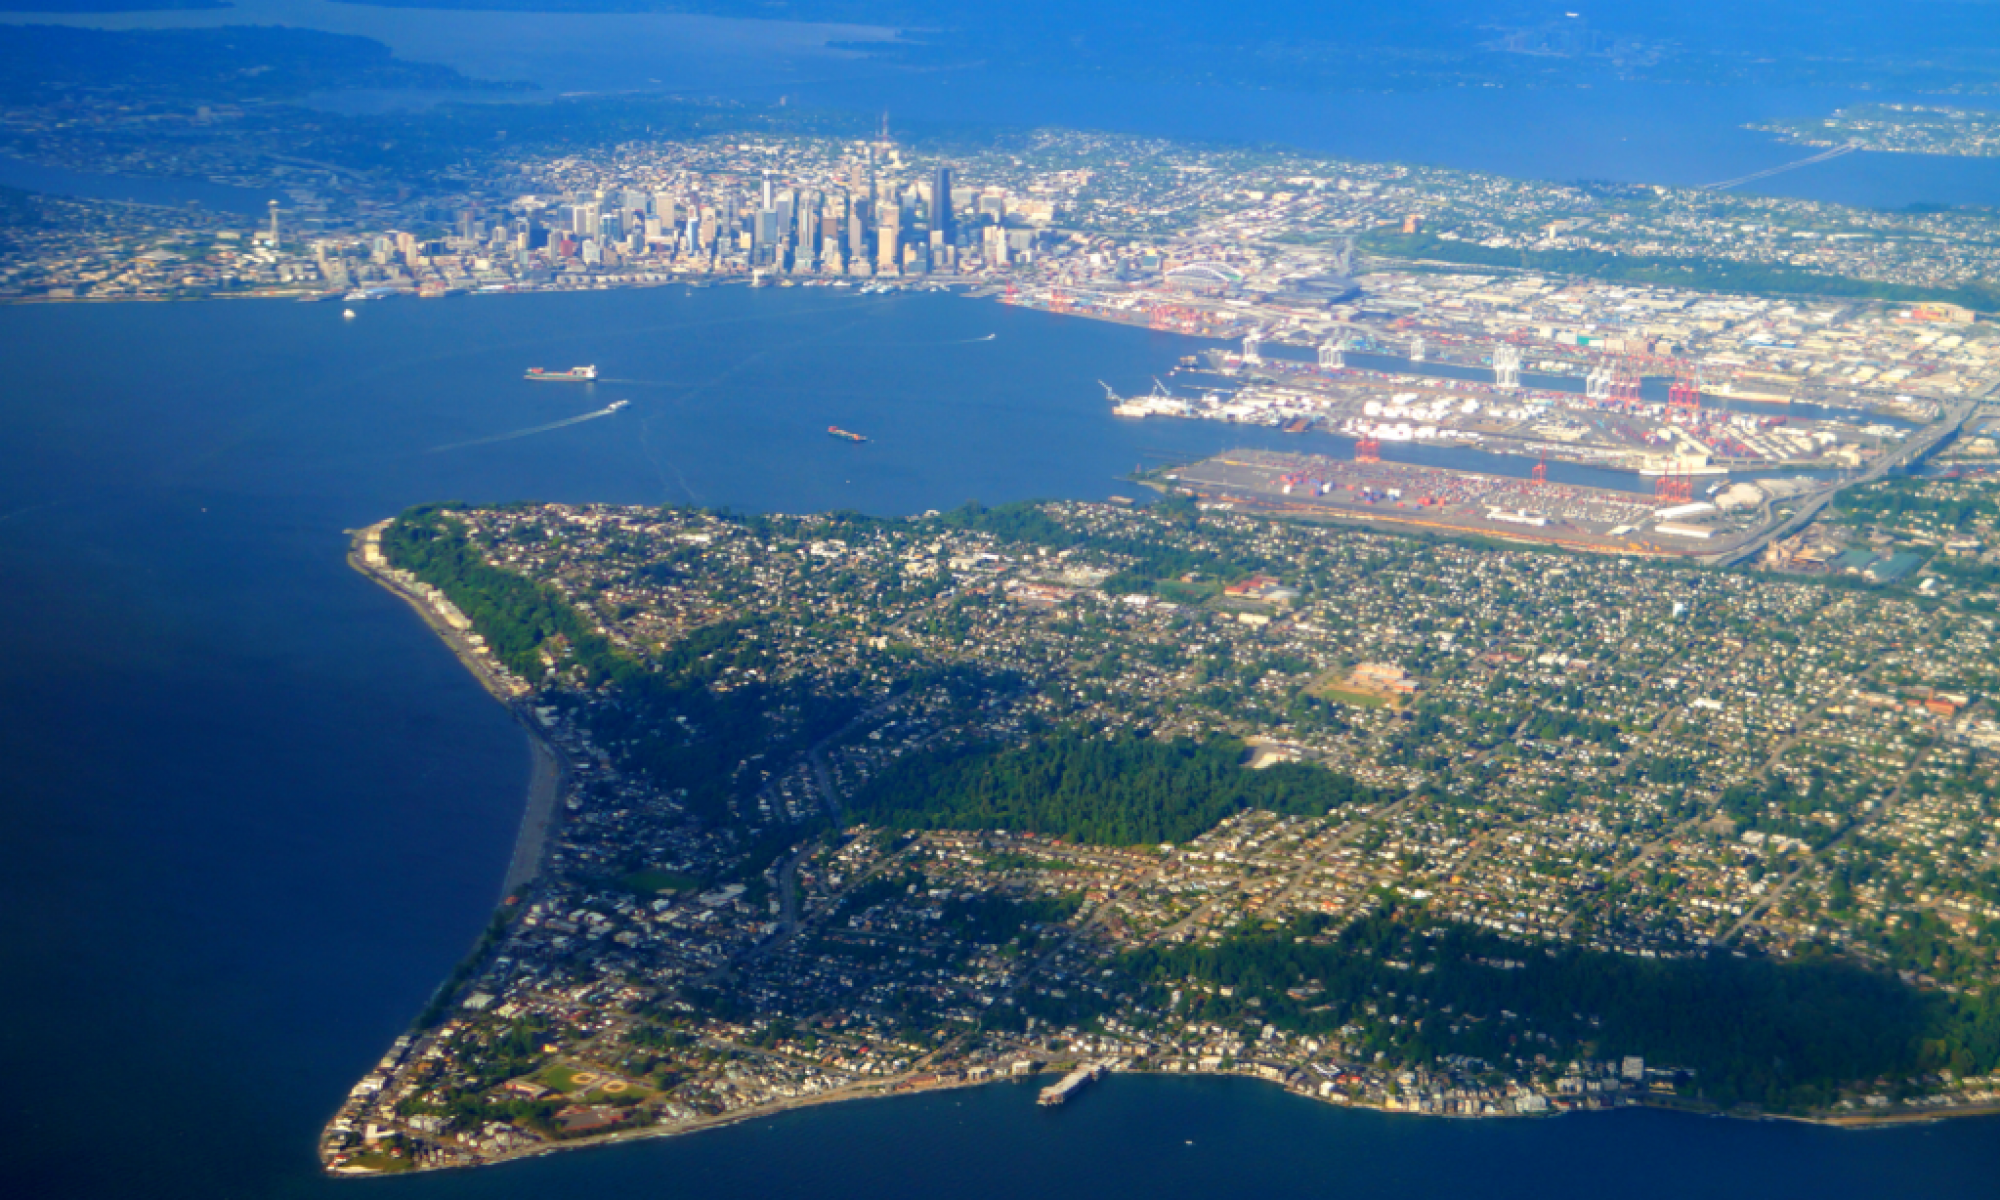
[256, 811]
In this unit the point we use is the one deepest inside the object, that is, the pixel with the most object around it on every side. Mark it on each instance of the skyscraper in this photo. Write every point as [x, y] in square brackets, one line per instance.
[941, 216]
[889, 235]
[764, 237]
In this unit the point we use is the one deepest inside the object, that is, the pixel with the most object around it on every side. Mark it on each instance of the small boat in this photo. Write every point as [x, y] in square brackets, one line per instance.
[843, 434]
[347, 314]
[618, 404]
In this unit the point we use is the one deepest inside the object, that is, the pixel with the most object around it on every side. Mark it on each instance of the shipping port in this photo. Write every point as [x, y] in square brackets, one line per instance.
[1455, 502]
[1611, 425]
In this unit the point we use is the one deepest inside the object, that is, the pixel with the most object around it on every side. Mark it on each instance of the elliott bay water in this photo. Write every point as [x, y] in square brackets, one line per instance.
[257, 811]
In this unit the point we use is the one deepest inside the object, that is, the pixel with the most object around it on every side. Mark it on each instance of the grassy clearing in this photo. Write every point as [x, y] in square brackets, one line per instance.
[652, 881]
[593, 1087]
[1186, 593]
[1350, 696]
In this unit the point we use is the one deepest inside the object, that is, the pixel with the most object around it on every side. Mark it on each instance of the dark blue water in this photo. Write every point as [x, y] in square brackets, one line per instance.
[256, 811]
[136, 189]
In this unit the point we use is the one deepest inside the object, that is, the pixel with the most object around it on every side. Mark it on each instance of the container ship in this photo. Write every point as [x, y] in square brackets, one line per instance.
[573, 375]
[842, 434]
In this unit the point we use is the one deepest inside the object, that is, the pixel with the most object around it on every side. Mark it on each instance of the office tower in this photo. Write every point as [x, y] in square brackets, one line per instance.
[274, 224]
[889, 234]
[941, 215]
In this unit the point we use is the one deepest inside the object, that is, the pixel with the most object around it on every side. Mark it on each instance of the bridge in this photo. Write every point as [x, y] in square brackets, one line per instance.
[1842, 149]
[1920, 444]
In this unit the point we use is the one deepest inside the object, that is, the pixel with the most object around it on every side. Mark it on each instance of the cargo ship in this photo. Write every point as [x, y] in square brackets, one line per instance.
[842, 434]
[573, 375]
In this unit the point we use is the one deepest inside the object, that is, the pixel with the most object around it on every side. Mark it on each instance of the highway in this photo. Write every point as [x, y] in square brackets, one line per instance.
[1921, 442]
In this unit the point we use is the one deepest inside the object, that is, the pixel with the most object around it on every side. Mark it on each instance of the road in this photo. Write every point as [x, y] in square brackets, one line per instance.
[1920, 443]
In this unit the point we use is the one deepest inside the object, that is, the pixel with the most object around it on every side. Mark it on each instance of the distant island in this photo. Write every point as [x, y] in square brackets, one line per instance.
[848, 806]
[1899, 129]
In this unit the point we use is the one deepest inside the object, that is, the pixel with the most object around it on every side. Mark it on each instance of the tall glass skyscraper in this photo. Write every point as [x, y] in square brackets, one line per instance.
[941, 204]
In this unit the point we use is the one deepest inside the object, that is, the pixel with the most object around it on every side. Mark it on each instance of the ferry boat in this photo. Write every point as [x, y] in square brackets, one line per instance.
[573, 375]
[838, 432]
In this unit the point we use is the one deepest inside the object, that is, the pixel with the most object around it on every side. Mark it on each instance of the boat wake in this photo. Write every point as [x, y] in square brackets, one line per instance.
[551, 427]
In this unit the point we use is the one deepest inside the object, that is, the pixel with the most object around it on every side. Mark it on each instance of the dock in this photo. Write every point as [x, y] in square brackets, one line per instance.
[1070, 1084]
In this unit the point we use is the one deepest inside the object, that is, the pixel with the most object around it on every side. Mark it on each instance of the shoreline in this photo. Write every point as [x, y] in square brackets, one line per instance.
[891, 1089]
[549, 771]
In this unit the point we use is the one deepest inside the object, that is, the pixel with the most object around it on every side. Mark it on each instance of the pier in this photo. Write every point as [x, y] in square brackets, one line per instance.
[1070, 1084]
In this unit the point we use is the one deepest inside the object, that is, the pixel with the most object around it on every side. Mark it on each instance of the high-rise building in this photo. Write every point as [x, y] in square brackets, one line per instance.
[890, 234]
[857, 233]
[764, 237]
[941, 214]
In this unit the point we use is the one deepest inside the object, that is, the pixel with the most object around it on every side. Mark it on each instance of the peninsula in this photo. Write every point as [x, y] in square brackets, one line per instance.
[856, 806]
